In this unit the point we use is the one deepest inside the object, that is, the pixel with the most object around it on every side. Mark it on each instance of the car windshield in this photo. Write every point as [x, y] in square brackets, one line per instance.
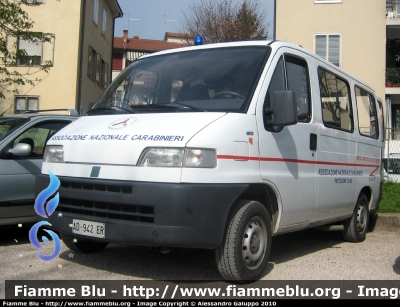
[9, 124]
[213, 80]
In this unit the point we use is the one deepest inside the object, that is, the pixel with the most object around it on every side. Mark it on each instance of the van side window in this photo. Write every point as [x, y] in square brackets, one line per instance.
[366, 110]
[298, 82]
[335, 101]
[291, 74]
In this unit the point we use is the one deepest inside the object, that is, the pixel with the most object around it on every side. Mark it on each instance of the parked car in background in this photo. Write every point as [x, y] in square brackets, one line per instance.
[22, 141]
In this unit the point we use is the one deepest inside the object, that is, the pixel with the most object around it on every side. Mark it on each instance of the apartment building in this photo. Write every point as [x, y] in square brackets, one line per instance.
[392, 67]
[349, 33]
[82, 33]
[362, 37]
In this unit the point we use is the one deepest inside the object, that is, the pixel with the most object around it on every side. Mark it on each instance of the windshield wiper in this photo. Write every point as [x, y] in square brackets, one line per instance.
[152, 106]
[114, 108]
[191, 107]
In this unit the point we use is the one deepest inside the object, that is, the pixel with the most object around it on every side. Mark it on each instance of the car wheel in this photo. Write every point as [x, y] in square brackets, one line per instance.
[356, 227]
[82, 246]
[243, 254]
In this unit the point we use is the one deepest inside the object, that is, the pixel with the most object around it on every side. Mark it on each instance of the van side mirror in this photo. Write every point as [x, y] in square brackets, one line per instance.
[284, 109]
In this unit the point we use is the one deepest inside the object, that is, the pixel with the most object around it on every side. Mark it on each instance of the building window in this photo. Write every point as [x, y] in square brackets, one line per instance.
[117, 60]
[35, 1]
[104, 22]
[327, 1]
[33, 52]
[91, 63]
[105, 74]
[96, 11]
[30, 53]
[26, 103]
[98, 68]
[327, 46]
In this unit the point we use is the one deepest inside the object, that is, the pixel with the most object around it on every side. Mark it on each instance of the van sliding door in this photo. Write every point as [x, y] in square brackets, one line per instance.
[336, 148]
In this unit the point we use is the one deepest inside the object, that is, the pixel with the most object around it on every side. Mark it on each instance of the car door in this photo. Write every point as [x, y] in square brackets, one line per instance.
[17, 174]
[287, 155]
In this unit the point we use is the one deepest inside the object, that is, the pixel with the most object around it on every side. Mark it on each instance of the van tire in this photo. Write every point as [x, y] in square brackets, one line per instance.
[249, 220]
[82, 246]
[356, 227]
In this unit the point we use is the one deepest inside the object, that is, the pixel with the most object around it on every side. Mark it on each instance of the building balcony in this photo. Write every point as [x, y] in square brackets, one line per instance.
[393, 12]
[392, 79]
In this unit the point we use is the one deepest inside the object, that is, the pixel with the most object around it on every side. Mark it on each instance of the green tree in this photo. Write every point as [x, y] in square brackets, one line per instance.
[247, 24]
[225, 21]
[15, 24]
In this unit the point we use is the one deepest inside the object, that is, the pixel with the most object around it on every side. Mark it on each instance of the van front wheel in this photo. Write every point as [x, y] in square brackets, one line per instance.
[356, 227]
[243, 254]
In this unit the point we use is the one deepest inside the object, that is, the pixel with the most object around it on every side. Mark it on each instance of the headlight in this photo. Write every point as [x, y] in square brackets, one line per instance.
[200, 158]
[161, 157]
[178, 157]
[54, 154]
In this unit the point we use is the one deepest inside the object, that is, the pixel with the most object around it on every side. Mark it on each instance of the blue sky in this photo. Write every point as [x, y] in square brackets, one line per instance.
[160, 16]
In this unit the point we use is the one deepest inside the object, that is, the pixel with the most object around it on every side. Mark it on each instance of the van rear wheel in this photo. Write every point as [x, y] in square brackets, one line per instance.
[82, 246]
[356, 227]
[243, 254]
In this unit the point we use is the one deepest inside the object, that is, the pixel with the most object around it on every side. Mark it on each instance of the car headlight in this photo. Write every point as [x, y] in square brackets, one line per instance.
[178, 157]
[54, 154]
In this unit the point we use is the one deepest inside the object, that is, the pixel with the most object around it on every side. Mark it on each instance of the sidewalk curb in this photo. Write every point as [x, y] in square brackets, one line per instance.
[390, 221]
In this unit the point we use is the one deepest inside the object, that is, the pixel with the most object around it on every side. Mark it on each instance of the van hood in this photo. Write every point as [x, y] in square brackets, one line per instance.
[120, 139]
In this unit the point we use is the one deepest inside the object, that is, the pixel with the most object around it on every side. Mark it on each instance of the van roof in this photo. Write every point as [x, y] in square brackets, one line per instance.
[275, 44]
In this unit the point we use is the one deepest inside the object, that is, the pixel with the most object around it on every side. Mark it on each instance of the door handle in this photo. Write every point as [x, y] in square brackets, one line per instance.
[313, 141]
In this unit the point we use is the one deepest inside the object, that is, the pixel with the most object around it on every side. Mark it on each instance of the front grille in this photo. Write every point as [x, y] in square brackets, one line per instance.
[112, 210]
[96, 187]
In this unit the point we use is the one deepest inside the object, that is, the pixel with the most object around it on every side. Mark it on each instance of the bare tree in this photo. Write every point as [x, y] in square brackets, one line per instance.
[225, 21]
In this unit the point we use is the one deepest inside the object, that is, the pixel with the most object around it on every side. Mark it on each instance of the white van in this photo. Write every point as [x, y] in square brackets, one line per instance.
[221, 147]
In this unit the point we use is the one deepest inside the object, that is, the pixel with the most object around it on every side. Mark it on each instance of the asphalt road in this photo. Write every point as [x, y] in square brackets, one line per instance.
[306, 255]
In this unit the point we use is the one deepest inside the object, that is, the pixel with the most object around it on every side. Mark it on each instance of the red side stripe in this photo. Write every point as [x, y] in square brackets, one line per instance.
[231, 157]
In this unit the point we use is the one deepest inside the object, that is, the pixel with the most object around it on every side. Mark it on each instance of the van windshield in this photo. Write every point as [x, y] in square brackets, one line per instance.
[213, 80]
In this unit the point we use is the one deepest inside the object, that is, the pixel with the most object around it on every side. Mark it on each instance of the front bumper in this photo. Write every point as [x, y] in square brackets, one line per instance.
[145, 213]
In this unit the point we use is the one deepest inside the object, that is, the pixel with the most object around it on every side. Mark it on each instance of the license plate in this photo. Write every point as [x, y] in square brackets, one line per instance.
[89, 228]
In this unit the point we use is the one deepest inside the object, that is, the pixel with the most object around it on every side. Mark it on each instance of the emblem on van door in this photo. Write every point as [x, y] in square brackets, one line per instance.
[122, 123]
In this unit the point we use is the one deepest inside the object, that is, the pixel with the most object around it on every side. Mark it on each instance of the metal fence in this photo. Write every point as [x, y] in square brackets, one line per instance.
[391, 155]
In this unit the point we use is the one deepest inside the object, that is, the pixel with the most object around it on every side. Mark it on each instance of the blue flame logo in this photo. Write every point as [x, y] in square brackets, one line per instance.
[46, 212]
[45, 194]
